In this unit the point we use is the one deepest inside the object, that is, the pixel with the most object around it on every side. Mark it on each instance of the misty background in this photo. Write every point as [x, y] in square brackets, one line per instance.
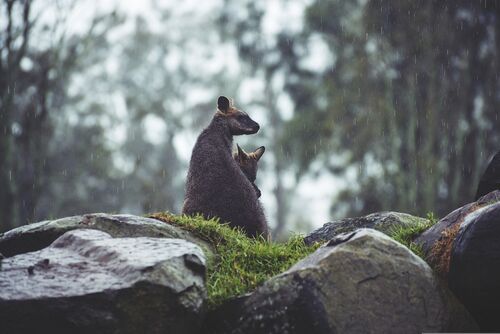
[364, 105]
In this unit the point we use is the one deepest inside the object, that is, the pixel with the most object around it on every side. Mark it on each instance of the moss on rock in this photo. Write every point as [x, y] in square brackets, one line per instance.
[406, 234]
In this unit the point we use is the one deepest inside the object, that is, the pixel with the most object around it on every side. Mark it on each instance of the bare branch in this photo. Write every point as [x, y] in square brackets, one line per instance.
[8, 42]
[26, 29]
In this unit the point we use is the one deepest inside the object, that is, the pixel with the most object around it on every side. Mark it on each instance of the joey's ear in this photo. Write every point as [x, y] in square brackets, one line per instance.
[259, 152]
[223, 104]
[241, 154]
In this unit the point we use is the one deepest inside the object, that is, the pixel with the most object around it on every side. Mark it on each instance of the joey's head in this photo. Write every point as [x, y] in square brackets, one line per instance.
[238, 121]
[248, 164]
[248, 161]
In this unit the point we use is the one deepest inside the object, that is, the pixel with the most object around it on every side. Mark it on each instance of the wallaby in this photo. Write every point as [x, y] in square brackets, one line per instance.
[216, 186]
[248, 164]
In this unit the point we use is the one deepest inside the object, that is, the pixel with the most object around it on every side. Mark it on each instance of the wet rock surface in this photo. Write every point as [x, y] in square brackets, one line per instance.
[464, 249]
[103, 273]
[89, 282]
[39, 235]
[381, 221]
[451, 222]
[362, 282]
[474, 271]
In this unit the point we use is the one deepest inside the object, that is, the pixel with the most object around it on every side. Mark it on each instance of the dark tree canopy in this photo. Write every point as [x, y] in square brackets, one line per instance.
[410, 101]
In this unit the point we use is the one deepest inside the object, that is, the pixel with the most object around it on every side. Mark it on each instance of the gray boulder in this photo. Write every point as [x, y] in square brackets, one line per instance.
[39, 235]
[361, 282]
[89, 282]
[380, 221]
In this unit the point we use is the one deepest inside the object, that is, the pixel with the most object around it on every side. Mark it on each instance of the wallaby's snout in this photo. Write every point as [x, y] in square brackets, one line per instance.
[245, 125]
[255, 126]
[239, 121]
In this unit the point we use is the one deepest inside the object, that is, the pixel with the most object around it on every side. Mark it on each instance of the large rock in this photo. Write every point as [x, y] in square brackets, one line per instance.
[474, 271]
[380, 221]
[437, 241]
[361, 282]
[88, 282]
[39, 235]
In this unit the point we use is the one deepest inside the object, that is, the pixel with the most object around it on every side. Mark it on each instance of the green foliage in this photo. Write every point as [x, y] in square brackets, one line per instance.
[406, 234]
[241, 263]
[386, 104]
[432, 218]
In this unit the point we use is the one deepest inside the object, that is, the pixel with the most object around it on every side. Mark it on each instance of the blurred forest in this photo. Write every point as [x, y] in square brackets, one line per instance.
[394, 103]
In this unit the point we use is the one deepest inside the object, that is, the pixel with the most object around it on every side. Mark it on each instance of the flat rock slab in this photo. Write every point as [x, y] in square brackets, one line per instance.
[361, 282]
[380, 221]
[89, 282]
[39, 235]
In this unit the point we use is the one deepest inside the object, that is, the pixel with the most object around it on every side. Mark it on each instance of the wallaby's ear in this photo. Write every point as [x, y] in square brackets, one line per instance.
[259, 152]
[241, 154]
[223, 104]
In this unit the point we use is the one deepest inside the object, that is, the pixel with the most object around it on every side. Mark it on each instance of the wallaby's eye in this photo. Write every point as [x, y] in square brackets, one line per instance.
[242, 118]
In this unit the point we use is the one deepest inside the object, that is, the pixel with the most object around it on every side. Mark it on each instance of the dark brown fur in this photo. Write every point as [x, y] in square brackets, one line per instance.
[248, 164]
[216, 186]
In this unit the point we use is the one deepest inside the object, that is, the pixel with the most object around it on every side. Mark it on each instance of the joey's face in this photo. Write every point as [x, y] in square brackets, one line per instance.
[249, 168]
[248, 161]
[239, 122]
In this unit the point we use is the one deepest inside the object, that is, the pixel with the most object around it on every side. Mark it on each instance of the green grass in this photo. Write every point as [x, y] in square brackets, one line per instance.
[406, 234]
[241, 263]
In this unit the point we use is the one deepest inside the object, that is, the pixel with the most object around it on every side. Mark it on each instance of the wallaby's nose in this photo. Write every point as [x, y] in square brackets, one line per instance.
[256, 127]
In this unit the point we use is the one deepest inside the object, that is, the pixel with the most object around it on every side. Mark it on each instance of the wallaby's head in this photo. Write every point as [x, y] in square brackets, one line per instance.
[239, 122]
[248, 161]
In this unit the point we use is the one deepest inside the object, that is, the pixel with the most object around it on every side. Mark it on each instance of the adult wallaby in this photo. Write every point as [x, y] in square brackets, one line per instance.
[248, 164]
[216, 186]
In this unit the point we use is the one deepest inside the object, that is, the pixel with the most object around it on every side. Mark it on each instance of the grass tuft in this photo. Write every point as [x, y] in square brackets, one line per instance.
[406, 234]
[241, 263]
